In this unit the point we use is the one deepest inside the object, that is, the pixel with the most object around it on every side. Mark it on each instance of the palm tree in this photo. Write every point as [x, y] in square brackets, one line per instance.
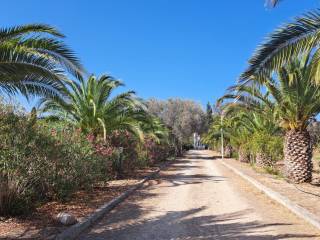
[154, 128]
[34, 60]
[234, 135]
[213, 136]
[252, 111]
[297, 101]
[89, 105]
[286, 43]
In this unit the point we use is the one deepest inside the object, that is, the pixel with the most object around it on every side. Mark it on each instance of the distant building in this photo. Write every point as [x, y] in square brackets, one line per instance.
[197, 141]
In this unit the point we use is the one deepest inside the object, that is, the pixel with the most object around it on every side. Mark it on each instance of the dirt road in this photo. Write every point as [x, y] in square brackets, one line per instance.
[198, 198]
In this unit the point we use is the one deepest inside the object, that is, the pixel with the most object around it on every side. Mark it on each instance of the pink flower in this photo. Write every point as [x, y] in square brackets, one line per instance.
[90, 138]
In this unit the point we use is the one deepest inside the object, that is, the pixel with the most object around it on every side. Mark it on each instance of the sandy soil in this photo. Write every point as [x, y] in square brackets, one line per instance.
[41, 224]
[306, 195]
[198, 198]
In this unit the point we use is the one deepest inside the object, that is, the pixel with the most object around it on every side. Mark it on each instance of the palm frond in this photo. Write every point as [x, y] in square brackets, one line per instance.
[285, 43]
[34, 61]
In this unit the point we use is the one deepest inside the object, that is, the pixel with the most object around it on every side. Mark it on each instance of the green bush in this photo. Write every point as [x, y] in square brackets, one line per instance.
[49, 159]
[271, 145]
[42, 160]
[75, 164]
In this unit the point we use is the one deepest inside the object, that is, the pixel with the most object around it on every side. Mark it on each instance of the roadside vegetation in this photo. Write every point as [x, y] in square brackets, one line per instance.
[81, 133]
[185, 117]
[270, 114]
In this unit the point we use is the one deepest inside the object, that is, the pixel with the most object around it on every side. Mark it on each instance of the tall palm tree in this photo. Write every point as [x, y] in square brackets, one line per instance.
[89, 104]
[297, 100]
[34, 60]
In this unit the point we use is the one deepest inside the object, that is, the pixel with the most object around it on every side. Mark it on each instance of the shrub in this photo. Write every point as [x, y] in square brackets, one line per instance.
[74, 163]
[156, 152]
[271, 145]
[16, 165]
[41, 161]
[120, 147]
[126, 159]
[49, 159]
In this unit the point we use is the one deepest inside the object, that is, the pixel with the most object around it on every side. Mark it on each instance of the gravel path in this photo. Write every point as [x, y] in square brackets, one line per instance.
[198, 198]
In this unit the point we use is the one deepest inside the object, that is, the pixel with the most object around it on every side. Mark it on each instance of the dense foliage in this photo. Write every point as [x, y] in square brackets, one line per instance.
[275, 102]
[34, 60]
[49, 159]
[42, 161]
[85, 133]
[184, 117]
[88, 105]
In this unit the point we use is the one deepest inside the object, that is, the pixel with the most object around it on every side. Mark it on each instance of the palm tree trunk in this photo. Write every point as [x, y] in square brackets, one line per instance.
[263, 160]
[228, 151]
[298, 155]
[243, 156]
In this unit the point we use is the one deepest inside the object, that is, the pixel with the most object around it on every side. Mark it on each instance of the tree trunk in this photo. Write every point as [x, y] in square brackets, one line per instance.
[263, 160]
[228, 151]
[243, 156]
[297, 156]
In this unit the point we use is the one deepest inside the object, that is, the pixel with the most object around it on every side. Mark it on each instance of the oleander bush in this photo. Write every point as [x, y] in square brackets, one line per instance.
[121, 148]
[40, 161]
[157, 152]
[75, 163]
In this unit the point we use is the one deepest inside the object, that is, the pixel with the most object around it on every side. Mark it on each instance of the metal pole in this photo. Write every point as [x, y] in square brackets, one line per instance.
[222, 147]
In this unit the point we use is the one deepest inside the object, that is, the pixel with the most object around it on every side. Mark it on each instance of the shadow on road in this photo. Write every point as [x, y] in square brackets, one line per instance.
[178, 179]
[131, 221]
[180, 225]
[178, 174]
[198, 156]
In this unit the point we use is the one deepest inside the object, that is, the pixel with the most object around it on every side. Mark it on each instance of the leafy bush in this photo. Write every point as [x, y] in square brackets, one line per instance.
[121, 148]
[156, 152]
[74, 162]
[41, 161]
[49, 159]
[271, 145]
[124, 160]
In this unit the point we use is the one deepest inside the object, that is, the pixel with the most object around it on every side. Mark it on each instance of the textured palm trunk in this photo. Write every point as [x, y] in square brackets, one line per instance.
[228, 151]
[263, 160]
[243, 156]
[297, 156]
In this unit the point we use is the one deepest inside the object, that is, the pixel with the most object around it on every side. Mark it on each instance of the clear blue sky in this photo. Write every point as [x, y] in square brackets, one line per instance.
[161, 48]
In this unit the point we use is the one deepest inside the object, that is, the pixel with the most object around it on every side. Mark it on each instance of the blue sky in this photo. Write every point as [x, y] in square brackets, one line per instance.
[191, 49]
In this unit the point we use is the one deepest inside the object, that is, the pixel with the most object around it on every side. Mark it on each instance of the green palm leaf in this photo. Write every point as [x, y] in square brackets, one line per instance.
[285, 43]
[90, 105]
[34, 61]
